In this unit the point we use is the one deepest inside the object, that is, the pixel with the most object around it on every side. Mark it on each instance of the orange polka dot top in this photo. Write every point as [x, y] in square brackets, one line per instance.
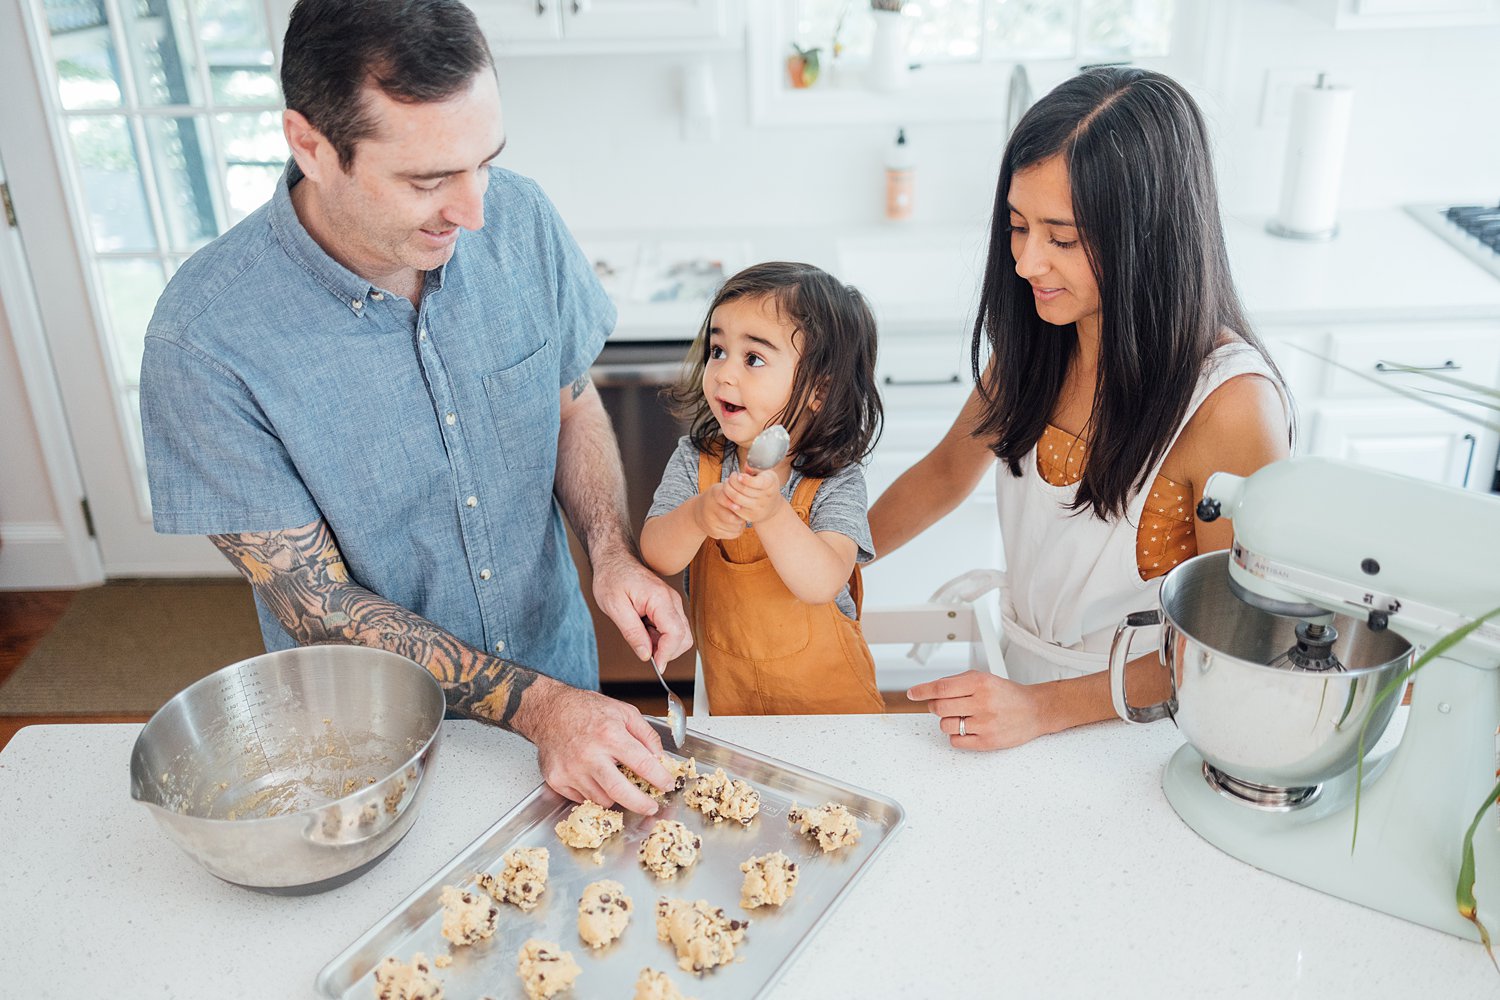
[1165, 537]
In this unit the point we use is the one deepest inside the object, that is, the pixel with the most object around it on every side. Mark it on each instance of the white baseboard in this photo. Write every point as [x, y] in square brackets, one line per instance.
[36, 556]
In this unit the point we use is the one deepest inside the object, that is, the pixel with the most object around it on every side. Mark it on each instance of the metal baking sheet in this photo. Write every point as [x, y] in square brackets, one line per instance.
[775, 936]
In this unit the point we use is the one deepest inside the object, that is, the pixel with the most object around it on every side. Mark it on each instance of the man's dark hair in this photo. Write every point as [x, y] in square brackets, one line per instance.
[415, 51]
[1147, 210]
[835, 333]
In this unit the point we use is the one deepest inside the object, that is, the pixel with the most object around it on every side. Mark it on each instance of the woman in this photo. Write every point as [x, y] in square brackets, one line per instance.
[1115, 371]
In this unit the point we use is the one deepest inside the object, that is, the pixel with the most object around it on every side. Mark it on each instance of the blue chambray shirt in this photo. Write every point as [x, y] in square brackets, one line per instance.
[279, 387]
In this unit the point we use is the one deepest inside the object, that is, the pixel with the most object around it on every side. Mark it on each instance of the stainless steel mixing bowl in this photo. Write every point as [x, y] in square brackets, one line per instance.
[1261, 725]
[292, 772]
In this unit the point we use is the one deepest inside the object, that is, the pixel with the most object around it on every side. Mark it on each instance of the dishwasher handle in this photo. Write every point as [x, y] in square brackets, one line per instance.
[644, 373]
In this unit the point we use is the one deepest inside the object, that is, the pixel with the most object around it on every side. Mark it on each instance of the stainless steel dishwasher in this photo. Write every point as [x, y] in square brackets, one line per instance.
[630, 377]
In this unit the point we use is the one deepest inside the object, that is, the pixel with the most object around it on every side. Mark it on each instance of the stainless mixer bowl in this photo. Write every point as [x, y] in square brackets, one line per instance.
[295, 771]
[1269, 726]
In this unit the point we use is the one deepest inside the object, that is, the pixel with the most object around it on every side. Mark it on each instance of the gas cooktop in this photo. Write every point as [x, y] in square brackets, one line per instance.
[1473, 229]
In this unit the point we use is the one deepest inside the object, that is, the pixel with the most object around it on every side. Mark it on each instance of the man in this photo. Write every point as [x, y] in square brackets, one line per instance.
[373, 395]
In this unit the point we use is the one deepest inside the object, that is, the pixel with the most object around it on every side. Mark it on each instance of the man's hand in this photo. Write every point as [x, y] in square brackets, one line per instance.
[994, 712]
[755, 497]
[580, 736]
[716, 517]
[647, 612]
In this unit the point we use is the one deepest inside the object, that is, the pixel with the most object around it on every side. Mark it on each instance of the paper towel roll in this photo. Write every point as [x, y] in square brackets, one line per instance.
[1314, 162]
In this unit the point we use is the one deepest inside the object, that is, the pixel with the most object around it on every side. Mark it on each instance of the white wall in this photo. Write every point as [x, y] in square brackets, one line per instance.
[602, 133]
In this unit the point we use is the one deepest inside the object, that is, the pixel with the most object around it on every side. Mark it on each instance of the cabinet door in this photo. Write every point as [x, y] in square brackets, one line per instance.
[642, 19]
[1411, 441]
[506, 22]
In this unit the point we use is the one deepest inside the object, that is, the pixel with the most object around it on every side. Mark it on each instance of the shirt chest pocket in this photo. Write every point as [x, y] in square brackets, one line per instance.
[524, 404]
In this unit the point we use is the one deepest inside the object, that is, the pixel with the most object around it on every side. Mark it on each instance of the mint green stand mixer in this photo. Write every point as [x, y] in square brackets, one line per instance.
[1276, 664]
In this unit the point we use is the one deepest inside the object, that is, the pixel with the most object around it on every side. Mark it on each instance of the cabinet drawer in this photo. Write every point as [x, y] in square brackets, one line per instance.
[1471, 353]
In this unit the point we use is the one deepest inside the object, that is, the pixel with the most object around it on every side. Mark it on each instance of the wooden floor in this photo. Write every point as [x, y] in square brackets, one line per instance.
[26, 616]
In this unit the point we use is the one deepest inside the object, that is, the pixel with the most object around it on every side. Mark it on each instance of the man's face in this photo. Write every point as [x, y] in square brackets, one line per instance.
[413, 183]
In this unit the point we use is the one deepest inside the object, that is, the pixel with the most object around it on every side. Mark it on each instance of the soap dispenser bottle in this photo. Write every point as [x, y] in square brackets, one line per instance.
[900, 180]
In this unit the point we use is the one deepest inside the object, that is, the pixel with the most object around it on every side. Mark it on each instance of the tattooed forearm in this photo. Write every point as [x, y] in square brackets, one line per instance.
[300, 575]
[580, 384]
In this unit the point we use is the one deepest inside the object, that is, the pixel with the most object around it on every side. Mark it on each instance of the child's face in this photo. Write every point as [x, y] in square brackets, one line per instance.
[752, 361]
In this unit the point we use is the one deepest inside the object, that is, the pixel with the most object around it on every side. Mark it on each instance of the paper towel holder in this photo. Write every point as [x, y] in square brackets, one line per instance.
[1298, 177]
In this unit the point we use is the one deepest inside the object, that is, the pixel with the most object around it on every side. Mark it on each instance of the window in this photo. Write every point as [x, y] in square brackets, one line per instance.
[168, 117]
[956, 55]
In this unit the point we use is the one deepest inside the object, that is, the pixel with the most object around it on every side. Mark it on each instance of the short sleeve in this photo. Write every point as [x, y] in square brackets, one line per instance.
[585, 314]
[841, 505]
[214, 463]
[679, 481]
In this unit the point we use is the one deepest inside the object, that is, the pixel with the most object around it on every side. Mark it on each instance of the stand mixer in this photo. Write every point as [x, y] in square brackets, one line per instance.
[1315, 538]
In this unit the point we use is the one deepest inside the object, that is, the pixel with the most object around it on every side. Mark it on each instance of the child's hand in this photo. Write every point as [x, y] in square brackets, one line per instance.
[755, 498]
[715, 517]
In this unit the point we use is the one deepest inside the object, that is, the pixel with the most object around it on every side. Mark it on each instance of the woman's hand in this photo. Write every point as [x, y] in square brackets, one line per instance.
[716, 517]
[755, 497]
[979, 711]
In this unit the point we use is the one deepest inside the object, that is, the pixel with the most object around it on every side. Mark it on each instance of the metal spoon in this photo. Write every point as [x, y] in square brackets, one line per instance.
[768, 449]
[676, 714]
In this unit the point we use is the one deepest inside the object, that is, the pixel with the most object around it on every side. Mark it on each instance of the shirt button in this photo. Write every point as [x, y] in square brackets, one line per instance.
[471, 502]
[452, 419]
[377, 296]
[358, 303]
[485, 574]
[500, 646]
[422, 333]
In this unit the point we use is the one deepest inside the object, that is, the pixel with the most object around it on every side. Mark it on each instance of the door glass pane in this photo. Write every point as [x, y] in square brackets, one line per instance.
[179, 158]
[84, 53]
[131, 288]
[255, 153]
[163, 59]
[1030, 29]
[114, 196]
[241, 67]
[945, 31]
[1126, 29]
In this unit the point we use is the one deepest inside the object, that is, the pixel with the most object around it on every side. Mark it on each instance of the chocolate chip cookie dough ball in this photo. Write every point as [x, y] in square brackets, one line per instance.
[589, 825]
[720, 797]
[407, 980]
[681, 771]
[702, 935]
[668, 847]
[523, 879]
[830, 825]
[545, 969]
[467, 916]
[603, 912]
[770, 880]
[653, 985]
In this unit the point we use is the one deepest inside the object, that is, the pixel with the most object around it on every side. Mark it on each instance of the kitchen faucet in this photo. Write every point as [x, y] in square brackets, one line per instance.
[1017, 99]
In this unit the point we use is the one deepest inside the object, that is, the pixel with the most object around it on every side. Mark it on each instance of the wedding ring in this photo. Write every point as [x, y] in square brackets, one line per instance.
[963, 722]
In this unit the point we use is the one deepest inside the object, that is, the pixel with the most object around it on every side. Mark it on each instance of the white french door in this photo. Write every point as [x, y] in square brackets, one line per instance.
[133, 132]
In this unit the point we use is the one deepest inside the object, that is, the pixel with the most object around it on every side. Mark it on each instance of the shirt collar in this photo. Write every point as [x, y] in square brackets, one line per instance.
[348, 287]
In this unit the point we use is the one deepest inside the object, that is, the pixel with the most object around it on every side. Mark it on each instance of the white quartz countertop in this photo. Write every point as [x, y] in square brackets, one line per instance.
[1383, 266]
[1057, 869]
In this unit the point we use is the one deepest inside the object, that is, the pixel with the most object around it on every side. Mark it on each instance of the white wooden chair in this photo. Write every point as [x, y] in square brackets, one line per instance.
[973, 623]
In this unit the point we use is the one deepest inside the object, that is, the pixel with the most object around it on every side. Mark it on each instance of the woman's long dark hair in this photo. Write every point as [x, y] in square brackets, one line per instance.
[835, 331]
[1147, 210]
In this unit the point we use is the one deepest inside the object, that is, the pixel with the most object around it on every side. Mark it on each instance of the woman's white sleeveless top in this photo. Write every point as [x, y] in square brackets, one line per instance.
[1072, 578]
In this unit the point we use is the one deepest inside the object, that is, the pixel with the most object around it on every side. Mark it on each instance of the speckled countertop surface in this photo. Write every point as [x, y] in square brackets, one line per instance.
[1057, 869]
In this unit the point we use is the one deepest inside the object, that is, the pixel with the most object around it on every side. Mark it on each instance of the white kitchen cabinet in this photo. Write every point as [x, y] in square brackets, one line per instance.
[1345, 380]
[521, 27]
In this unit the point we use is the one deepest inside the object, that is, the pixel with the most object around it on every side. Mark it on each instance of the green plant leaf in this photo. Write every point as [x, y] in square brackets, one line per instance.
[1468, 907]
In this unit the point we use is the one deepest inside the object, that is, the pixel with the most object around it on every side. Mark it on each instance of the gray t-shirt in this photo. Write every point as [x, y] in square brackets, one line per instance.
[840, 504]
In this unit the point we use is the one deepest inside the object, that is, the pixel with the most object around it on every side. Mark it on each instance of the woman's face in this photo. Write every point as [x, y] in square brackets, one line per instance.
[1045, 242]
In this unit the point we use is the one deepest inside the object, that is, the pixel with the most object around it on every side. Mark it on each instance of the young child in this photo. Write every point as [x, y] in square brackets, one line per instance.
[772, 554]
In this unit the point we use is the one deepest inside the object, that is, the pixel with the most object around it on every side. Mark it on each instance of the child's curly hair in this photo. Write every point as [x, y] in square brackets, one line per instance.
[835, 331]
